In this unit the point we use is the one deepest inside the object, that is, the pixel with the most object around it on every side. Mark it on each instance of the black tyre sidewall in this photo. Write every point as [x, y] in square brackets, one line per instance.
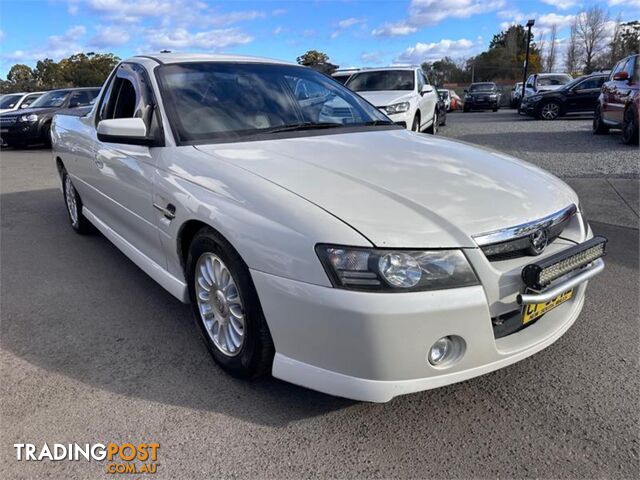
[256, 354]
[83, 226]
[598, 127]
[633, 138]
[415, 126]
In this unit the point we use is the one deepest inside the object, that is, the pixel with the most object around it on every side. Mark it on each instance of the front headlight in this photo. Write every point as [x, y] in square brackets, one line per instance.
[395, 270]
[29, 118]
[397, 108]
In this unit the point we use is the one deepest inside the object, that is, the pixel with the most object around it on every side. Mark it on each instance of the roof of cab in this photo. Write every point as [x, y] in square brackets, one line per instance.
[171, 58]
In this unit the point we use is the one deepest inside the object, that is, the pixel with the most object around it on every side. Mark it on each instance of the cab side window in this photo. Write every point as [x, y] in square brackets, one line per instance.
[619, 66]
[629, 67]
[29, 100]
[80, 99]
[590, 83]
[421, 81]
[122, 100]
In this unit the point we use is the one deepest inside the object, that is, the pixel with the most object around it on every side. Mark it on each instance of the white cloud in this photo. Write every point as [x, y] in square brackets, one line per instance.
[625, 3]
[345, 24]
[110, 36]
[436, 50]
[181, 38]
[371, 57]
[278, 30]
[562, 4]
[2, 35]
[56, 47]
[394, 30]
[430, 12]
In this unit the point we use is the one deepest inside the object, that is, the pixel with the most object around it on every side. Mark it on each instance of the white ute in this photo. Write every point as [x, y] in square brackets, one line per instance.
[314, 238]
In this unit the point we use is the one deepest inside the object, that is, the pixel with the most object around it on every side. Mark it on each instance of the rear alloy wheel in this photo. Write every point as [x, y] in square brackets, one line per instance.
[630, 127]
[599, 127]
[74, 206]
[550, 111]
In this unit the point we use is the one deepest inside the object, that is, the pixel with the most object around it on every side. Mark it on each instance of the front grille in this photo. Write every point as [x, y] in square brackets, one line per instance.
[8, 120]
[515, 242]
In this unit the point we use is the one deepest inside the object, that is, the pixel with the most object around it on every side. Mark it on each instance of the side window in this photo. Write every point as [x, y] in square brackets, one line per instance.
[29, 100]
[80, 99]
[629, 67]
[421, 83]
[590, 83]
[619, 66]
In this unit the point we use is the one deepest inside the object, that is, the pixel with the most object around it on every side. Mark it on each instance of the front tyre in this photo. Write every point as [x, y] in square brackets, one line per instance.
[74, 206]
[549, 111]
[226, 307]
[630, 127]
[599, 128]
[415, 126]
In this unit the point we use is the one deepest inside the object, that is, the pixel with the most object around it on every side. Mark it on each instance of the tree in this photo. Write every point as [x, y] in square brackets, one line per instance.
[313, 57]
[572, 55]
[87, 70]
[48, 75]
[21, 78]
[625, 41]
[591, 32]
[550, 59]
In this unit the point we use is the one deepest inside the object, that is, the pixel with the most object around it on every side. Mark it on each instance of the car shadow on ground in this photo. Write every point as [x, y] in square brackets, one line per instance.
[76, 306]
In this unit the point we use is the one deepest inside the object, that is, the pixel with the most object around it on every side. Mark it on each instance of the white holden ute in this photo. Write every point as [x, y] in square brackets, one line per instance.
[402, 93]
[314, 238]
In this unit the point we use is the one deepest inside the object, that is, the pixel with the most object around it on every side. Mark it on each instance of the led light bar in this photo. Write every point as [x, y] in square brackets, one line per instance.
[540, 274]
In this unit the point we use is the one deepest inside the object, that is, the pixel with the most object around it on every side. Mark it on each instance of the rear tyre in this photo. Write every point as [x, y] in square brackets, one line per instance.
[46, 134]
[72, 200]
[599, 128]
[465, 109]
[495, 109]
[226, 307]
[433, 129]
[630, 127]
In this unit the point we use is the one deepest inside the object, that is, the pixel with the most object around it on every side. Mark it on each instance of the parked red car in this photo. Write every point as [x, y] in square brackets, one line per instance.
[619, 101]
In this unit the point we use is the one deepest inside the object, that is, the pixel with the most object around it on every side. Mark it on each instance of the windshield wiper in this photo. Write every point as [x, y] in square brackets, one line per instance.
[296, 127]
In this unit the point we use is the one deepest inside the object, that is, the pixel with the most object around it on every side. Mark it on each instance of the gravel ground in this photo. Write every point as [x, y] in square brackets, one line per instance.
[565, 147]
[92, 350]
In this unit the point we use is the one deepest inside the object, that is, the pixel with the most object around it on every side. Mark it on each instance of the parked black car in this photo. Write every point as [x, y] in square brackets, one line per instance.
[482, 96]
[578, 96]
[33, 124]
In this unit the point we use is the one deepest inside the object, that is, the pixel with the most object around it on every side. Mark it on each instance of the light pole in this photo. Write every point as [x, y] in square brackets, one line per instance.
[530, 24]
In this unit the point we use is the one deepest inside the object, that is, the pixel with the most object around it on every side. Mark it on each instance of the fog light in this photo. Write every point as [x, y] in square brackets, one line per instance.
[440, 350]
[446, 351]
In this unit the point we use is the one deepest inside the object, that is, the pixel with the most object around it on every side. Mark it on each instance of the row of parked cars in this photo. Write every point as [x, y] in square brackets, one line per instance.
[613, 97]
[25, 118]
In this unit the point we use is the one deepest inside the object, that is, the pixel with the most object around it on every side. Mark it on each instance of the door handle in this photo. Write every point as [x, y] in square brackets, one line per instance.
[99, 163]
[169, 211]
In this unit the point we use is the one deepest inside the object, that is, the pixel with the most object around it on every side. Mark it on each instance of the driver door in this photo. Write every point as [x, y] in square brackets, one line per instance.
[124, 174]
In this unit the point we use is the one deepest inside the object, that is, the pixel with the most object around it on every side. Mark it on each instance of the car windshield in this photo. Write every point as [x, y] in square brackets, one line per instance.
[9, 101]
[341, 77]
[51, 99]
[482, 87]
[381, 80]
[218, 101]
[553, 80]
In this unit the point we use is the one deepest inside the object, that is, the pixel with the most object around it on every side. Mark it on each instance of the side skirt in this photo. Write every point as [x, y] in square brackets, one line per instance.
[175, 286]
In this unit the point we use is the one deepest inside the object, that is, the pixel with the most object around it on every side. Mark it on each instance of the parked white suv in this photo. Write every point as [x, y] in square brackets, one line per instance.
[403, 93]
[15, 101]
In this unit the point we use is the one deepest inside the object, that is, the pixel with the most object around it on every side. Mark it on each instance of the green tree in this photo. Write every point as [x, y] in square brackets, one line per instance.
[87, 70]
[48, 75]
[21, 78]
[313, 57]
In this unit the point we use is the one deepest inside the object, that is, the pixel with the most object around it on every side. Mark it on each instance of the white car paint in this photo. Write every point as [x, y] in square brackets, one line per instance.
[275, 200]
[23, 101]
[423, 99]
[533, 86]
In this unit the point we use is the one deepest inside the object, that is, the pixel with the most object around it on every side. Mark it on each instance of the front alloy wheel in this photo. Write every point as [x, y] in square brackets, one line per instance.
[630, 127]
[74, 206]
[219, 303]
[550, 111]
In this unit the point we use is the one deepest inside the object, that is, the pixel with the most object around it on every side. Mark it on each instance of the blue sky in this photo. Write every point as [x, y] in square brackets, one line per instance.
[352, 32]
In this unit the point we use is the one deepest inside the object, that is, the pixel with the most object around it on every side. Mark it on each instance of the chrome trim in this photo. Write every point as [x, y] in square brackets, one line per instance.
[524, 229]
[547, 295]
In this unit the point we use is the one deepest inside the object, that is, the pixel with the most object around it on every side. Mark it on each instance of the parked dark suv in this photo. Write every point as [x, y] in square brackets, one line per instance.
[33, 124]
[619, 101]
[578, 96]
[482, 96]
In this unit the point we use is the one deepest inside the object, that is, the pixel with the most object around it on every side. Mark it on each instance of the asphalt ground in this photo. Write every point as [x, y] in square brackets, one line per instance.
[93, 351]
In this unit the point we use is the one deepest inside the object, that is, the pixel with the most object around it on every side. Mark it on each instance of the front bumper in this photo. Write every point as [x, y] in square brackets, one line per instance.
[373, 347]
[528, 108]
[20, 132]
[480, 103]
[405, 118]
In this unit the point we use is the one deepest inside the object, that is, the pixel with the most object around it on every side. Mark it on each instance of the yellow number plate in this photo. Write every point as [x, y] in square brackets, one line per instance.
[531, 312]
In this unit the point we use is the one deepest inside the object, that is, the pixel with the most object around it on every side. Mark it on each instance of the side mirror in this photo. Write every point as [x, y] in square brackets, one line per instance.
[426, 89]
[132, 131]
[621, 76]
